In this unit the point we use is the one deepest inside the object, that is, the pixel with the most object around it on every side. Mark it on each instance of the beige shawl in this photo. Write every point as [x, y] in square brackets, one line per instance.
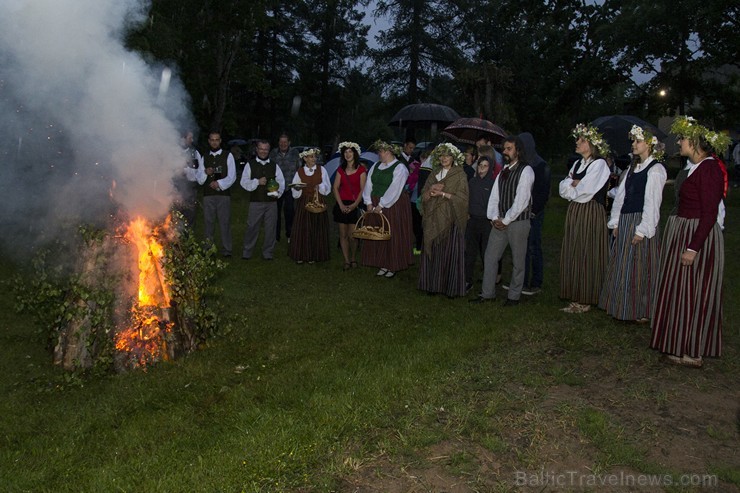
[439, 213]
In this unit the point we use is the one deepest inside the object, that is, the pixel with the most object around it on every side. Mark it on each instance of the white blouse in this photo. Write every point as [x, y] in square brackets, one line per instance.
[324, 186]
[400, 175]
[590, 184]
[656, 179]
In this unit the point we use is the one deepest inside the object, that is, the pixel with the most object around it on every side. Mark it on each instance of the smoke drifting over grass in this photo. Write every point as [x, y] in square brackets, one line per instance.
[78, 113]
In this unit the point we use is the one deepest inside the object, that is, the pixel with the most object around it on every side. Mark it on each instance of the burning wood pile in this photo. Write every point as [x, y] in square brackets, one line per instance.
[154, 309]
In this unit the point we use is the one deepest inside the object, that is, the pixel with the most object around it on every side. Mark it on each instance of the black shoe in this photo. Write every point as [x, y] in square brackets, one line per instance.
[481, 299]
[227, 255]
[509, 302]
[245, 258]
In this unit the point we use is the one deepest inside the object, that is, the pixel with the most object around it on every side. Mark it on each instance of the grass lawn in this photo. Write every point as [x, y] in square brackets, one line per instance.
[324, 380]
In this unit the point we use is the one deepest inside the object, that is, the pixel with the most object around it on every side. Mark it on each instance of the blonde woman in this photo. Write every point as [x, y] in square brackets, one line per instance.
[628, 291]
[444, 212]
[383, 193]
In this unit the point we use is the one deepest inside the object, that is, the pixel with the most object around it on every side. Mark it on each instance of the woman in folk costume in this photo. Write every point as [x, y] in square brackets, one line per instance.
[383, 193]
[687, 317]
[628, 291]
[584, 252]
[444, 211]
[309, 241]
[348, 185]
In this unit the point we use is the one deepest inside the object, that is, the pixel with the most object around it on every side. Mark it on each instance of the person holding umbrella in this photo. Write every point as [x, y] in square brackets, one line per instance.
[383, 194]
[627, 293]
[687, 317]
[583, 257]
[444, 210]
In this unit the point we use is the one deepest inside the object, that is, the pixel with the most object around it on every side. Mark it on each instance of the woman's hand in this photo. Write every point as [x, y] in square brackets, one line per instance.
[637, 239]
[687, 258]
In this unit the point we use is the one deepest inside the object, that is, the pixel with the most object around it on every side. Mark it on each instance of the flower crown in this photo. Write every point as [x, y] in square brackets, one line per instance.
[643, 135]
[309, 152]
[349, 145]
[688, 128]
[591, 134]
[447, 149]
[381, 145]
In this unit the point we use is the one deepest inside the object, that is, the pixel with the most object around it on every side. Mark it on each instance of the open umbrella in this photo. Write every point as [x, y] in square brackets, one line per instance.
[423, 115]
[615, 129]
[467, 130]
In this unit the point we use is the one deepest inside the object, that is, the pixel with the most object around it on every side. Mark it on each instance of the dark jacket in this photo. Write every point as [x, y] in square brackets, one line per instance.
[542, 178]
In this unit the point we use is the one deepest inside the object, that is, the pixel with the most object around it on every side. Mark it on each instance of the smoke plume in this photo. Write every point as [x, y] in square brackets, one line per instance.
[87, 128]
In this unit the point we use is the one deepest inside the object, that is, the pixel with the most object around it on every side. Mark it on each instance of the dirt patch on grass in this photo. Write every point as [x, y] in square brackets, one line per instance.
[639, 426]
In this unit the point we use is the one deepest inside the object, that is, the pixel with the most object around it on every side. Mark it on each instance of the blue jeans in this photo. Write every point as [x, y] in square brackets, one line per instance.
[534, 263]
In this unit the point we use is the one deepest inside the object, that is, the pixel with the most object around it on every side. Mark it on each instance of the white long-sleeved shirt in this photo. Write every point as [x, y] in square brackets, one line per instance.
[521, 199]
[656, 179]
[400, 175]
[324, 187]
[250, 184]
[595, 178]
[225, 182]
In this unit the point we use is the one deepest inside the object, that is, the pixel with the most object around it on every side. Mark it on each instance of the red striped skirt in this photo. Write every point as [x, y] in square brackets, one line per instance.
[584, 253]
[396, 253]
[687, 319]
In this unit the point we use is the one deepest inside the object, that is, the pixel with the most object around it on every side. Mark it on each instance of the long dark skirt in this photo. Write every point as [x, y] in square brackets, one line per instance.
[687, 319]
[584, 253]
[443, 269]
[629, 289]
[309, 239]
[396, 253]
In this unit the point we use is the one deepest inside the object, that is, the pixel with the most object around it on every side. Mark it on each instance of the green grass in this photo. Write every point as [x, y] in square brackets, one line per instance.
[321, 373]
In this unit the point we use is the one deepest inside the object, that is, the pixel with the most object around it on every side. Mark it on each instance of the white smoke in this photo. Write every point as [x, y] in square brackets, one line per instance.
[79, 112]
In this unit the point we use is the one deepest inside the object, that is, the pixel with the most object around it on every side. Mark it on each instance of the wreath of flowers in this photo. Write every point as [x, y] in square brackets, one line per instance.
[447, 149]
[657, 148]
[591, 134]
[381, 145]
[309, 152]
[688, 128]
[349, 145]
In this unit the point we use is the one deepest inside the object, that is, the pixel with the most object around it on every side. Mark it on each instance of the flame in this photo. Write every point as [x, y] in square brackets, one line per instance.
[145, 340]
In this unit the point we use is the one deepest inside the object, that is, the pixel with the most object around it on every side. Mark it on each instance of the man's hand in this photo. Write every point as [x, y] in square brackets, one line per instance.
[263, 181]
[209, 171]
[214, 185]
[499, 224]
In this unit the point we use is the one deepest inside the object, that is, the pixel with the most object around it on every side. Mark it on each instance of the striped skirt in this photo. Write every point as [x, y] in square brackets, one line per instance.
[395, 254]
[687, 317]
[628, 292]
[309, 240]
[584, 253]
[443, 270]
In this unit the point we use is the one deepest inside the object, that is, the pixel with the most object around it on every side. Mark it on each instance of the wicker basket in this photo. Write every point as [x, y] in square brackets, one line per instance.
[315, 205]
[363, 232]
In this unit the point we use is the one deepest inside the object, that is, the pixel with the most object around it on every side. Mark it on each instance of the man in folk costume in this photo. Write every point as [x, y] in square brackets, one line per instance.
[217, 172]
[265, 182]
[509, 209]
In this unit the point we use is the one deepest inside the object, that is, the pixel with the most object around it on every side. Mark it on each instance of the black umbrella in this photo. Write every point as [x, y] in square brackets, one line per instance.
[468, 130]
[423, 115]
[616, 128]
